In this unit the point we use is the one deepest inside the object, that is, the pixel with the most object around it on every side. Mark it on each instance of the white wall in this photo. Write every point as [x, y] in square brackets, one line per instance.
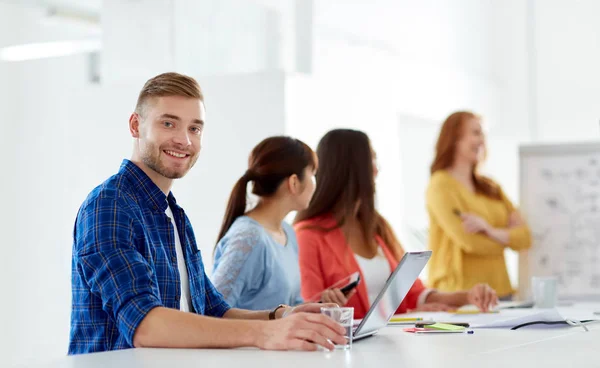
[436, 54]
[227, 37]
[46, 158]
[567, 76]
[38, 144]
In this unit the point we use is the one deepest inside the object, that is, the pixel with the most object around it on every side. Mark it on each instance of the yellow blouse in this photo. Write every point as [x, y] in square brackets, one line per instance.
[461, 260]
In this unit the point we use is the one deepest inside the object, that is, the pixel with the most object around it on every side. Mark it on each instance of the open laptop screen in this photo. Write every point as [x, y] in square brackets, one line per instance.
[394, 291]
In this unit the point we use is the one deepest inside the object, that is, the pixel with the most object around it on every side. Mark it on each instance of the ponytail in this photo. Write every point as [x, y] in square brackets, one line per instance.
[270, 163]
[236, 206]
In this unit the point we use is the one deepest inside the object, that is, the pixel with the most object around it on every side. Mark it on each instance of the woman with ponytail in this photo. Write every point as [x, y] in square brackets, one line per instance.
[256, 257]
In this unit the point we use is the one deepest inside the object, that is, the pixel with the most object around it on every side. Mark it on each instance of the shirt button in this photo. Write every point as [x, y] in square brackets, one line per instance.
[174, 259]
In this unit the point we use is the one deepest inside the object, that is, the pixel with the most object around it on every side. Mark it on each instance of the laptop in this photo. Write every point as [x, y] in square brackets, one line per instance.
[392, 294]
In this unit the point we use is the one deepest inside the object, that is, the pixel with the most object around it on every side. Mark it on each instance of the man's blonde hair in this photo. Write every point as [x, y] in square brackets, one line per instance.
[168, 84]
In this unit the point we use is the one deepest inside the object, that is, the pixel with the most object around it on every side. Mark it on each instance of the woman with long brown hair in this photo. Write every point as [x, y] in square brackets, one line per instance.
[471, 220]
[341, 232]
[256, 257]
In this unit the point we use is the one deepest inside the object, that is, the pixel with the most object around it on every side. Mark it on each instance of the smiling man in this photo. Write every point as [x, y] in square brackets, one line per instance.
[137, 274]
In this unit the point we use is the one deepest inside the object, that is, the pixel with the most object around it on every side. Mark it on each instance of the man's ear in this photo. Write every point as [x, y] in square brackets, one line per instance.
[134, 125]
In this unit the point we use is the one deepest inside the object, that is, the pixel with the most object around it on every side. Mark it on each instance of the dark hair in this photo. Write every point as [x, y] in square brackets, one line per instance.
[270, 163]
[345, 177]
[451, 132]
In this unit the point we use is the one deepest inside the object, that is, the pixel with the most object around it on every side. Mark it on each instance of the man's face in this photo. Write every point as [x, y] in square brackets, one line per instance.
[170, 134]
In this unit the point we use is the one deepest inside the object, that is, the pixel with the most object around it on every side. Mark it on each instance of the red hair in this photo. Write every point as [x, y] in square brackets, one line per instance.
[445, 152]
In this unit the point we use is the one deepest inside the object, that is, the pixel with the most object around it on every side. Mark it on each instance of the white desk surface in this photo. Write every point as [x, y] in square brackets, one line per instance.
[391, 347]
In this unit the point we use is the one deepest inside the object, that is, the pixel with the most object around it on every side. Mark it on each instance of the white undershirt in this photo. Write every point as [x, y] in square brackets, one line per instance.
[185, 302]
[376, 272]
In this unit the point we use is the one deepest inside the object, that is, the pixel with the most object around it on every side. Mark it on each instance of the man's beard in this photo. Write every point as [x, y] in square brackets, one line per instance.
[153, 162]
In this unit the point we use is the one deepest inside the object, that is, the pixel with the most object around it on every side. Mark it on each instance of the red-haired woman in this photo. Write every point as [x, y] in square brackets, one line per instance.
[471, 220]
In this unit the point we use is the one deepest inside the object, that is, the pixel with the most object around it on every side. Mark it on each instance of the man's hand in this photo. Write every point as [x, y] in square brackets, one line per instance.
[483, 297]
[303, 328]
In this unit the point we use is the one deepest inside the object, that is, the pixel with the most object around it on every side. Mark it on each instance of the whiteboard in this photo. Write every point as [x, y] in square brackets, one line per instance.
[560, 197]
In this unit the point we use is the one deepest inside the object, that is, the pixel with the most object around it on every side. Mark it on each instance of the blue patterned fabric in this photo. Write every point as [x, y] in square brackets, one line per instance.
[253, 271]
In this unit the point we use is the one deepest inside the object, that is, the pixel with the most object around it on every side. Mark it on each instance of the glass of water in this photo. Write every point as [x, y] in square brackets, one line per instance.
[344, 316]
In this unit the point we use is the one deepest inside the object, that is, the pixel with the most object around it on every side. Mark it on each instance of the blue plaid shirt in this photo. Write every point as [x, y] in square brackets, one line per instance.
[124, 262]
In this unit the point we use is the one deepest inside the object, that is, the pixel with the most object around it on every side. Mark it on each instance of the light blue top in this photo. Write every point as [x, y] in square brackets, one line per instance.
[253, 271]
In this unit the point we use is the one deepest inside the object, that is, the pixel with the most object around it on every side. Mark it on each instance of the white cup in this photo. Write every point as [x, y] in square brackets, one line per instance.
[544, 291]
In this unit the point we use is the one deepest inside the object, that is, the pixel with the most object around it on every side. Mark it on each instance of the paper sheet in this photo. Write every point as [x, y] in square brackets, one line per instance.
[513, 317]
[504, 319]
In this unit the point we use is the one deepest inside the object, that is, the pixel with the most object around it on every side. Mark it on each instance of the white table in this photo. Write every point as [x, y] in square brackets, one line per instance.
[391, 347]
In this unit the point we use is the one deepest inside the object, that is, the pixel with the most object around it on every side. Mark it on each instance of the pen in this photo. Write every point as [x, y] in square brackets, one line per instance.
[423, 324]
[471, 312]
[402, 319]
[421, 331]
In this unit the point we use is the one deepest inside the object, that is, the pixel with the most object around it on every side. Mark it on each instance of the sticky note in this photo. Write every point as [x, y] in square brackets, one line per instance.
[445, 327]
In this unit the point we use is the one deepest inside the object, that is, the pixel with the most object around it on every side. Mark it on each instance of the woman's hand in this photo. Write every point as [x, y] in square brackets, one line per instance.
[336, 296]
[474, 224]
[515, 220]
[483, 297]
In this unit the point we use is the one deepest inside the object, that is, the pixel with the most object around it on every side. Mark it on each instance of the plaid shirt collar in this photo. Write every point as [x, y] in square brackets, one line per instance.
[147, 190]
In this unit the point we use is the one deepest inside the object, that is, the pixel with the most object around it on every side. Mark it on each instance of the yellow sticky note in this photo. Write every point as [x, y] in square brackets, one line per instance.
[445, 327]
